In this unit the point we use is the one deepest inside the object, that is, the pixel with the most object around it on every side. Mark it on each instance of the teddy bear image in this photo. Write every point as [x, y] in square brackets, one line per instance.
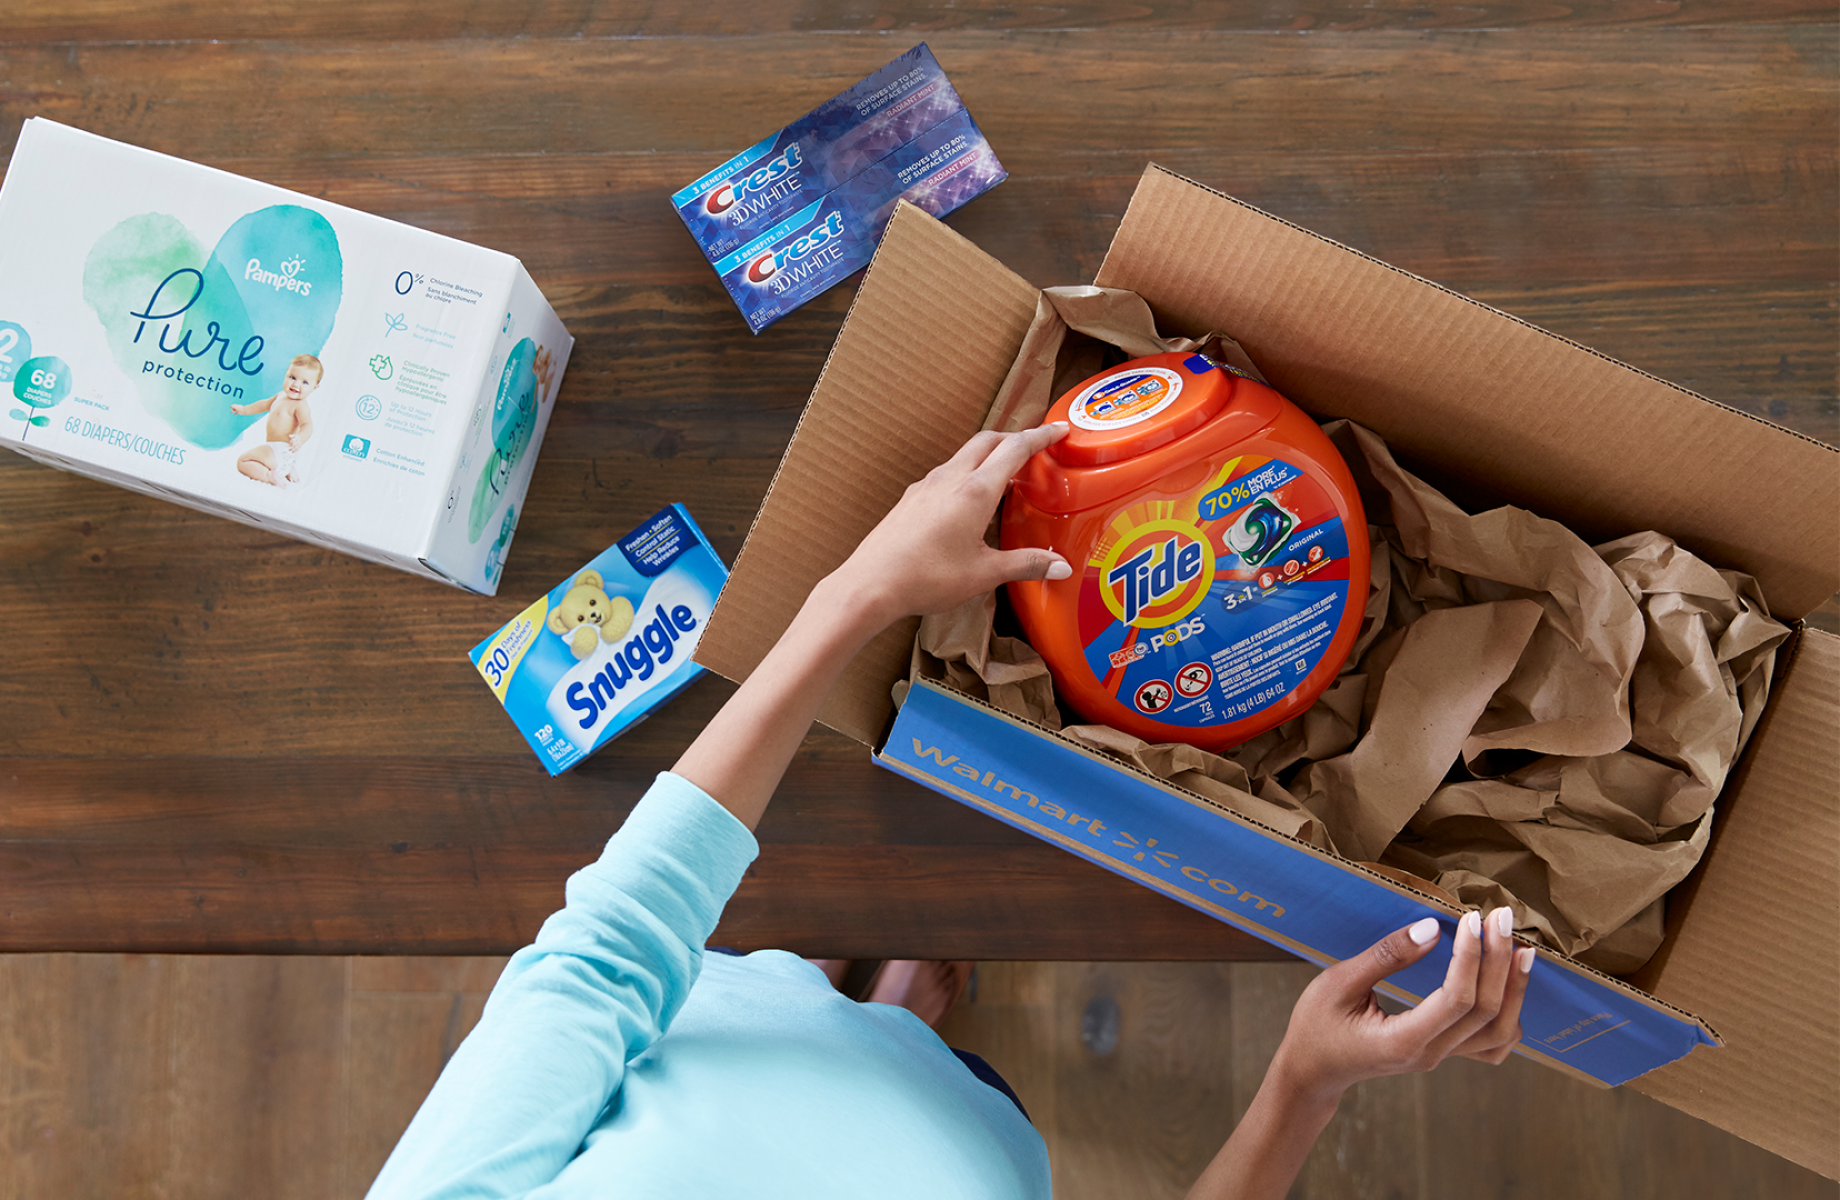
[586, 607]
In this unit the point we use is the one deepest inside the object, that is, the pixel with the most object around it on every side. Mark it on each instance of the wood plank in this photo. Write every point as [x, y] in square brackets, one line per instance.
[1142, 1103]
[1673, 87]
[121, 1074]
[873, 901]
[184, 20]
[85, 1063]
[152, 1075]
[1577, 1140]
[258, 1048]
[407, 1017]
[591, 224]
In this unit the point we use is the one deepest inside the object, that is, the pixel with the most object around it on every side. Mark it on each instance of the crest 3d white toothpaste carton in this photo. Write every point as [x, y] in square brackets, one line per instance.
[835, 236]
[268, 357]
[789, 170]
[606, 646]
[829, 181]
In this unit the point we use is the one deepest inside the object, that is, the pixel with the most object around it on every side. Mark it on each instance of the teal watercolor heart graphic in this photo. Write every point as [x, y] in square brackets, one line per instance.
[514, 419]
[199, 333]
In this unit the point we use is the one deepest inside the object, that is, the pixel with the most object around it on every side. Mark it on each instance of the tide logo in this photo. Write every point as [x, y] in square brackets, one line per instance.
[765, 266]
[724, 197]
[1156, 574]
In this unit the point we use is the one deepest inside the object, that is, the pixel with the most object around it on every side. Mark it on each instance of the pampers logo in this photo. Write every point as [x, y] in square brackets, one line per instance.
[726, 195]
[799, 257]
[287, 279]
[1156, 574]
[636, 661]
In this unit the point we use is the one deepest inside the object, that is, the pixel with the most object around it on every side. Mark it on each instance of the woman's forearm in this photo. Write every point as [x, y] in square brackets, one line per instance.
[1268, 1146]
[741, 755]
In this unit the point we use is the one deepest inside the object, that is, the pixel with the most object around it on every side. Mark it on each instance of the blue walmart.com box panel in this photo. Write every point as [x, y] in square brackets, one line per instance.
[1272, 886]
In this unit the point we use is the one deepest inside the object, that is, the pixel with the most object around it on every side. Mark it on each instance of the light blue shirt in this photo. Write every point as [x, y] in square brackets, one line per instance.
[614, 1060]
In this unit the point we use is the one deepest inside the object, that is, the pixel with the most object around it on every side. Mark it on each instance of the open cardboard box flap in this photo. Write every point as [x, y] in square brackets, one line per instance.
[1526, 416]
[1491, 400]
[932, 333]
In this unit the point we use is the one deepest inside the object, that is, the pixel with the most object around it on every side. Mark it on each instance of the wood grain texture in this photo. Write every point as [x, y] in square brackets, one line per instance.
[188, 20]
[131, 1075]
[213, 738]
[406, 1018]
[226, 1077]
[1192, 1043]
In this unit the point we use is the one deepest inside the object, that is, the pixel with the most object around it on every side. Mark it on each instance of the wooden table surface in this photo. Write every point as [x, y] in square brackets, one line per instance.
[215, 739]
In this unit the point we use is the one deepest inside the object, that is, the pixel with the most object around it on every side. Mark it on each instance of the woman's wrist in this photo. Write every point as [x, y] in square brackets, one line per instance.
[859, 609]
[1299, 1091]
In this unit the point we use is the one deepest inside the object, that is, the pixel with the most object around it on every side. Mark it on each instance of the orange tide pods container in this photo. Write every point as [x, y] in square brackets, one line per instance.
[1219, 551]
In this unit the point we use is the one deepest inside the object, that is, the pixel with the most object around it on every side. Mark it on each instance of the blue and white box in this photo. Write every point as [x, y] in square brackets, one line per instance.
[606, 646]
[269, 357]
[834, 237]
[789, 170]
[800, 210]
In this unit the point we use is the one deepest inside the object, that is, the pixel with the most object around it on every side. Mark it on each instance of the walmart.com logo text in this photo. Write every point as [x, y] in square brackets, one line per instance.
[1149, 851]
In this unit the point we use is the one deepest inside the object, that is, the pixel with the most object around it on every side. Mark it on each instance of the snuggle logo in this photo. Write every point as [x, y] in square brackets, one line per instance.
[199, 332]
[585, 701]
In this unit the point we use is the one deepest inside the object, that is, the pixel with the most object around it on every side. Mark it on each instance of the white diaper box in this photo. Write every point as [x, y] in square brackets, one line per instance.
[264, 356]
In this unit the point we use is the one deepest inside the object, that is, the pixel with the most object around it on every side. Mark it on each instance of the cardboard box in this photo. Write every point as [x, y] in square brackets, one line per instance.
[152, 311]
[1488, 401]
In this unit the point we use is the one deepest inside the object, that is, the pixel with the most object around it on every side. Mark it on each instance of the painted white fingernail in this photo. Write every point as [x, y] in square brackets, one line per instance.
[1504, 921]
[1523, 958]
[1472, 923]
[1424, 932]
[1059, 569]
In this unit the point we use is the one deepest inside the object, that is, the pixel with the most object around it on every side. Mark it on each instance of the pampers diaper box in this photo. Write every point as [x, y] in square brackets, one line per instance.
[268, 357]
[610, 643]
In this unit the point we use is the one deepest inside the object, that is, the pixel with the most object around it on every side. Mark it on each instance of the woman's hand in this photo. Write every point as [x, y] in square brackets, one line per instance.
[1339, 1035]
[928, 554]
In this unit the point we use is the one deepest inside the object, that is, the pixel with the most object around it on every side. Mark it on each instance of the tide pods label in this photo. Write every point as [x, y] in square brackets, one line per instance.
[1208, 608]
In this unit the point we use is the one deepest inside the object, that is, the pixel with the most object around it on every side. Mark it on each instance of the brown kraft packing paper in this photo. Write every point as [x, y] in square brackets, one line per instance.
[1525, 719]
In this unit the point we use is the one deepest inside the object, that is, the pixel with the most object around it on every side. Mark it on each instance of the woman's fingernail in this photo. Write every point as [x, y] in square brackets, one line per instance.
[1523, 958]
[1472, 923]
[1424, 932]
[1059, 569]
[1504, 921]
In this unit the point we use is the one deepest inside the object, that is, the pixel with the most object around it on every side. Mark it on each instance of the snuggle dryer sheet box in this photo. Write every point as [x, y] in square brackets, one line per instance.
[271, 358]
[609, 644]
[804, 208]
[1734, 1019]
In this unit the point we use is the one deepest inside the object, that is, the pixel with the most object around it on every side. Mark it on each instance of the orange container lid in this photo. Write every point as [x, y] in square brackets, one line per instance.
[1131, 409]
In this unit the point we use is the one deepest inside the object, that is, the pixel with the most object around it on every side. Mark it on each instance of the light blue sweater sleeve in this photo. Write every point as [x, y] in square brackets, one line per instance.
[602, 982]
